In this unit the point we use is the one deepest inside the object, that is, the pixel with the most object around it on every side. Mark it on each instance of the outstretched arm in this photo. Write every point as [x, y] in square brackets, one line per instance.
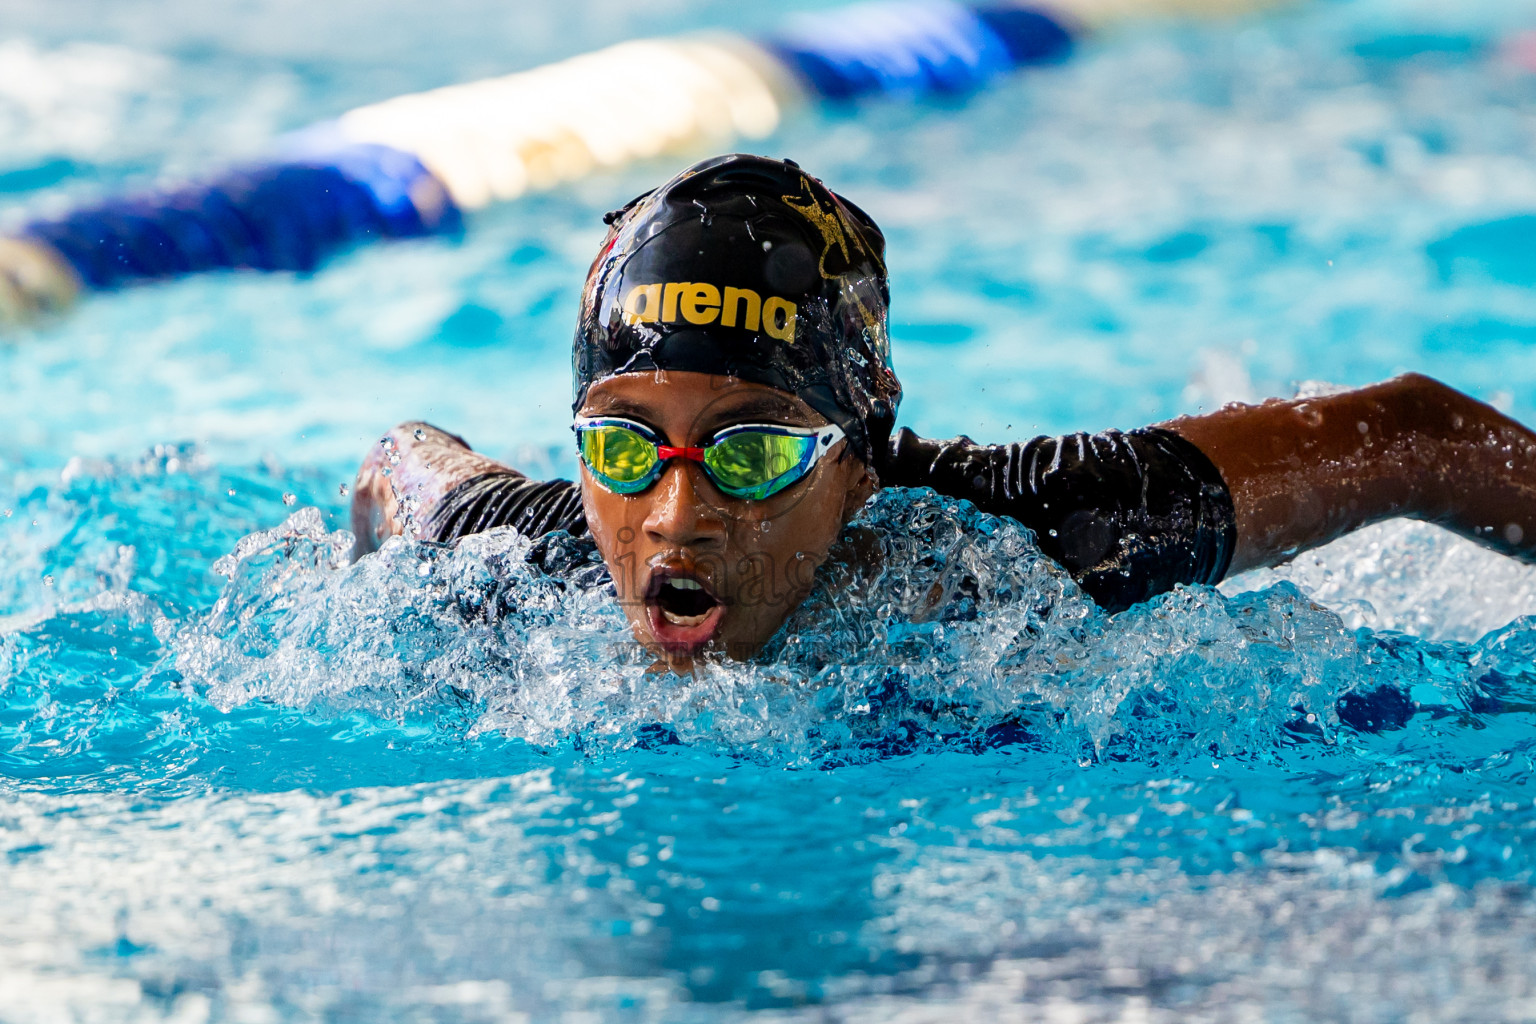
[1306, 471]
[413, 466]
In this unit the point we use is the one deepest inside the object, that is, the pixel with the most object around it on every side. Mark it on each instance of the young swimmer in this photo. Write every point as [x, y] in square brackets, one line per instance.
[735, 404]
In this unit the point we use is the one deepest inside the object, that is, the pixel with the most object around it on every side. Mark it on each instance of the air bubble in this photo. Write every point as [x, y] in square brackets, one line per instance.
[289, 499]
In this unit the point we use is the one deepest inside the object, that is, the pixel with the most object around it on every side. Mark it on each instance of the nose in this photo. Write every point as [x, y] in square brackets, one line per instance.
[679, 517]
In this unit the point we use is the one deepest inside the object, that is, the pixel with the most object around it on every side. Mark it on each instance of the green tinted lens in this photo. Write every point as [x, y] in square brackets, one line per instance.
[746, 464]
[619, 456]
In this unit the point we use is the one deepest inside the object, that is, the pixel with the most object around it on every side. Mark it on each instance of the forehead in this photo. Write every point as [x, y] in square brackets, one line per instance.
[693, 395]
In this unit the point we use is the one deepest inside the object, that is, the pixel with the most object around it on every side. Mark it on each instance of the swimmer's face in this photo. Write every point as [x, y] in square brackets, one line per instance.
[697, 571]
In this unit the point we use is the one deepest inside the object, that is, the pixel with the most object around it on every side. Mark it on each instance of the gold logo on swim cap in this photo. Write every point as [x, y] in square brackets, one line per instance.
[695, 302]
[833, 226]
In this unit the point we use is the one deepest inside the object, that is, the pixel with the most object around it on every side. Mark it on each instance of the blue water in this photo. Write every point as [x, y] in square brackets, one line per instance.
[243, 780]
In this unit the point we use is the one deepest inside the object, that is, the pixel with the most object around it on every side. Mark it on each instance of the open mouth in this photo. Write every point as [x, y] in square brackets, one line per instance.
[683, 612]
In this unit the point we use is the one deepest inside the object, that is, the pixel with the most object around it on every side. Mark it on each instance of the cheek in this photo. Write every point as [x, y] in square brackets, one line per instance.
[816, 521]
[777, 554]
[615, 524]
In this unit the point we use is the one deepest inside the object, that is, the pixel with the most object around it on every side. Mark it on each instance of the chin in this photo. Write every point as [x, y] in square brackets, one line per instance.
[685, 658]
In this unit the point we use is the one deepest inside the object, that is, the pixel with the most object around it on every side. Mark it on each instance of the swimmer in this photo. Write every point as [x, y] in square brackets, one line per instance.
[735, 406]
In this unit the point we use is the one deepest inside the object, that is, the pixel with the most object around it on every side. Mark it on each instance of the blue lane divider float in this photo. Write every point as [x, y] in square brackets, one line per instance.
[916, 48]
[409, 167]
[282, 216]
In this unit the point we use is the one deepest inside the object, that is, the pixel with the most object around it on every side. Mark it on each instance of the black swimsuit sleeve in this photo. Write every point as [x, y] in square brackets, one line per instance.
[1129, 515]
[507, 498]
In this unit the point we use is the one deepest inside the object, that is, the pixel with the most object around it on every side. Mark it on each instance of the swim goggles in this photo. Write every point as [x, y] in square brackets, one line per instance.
[749, 460]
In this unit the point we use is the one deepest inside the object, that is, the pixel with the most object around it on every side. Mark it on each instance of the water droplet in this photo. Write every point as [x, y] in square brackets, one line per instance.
[289, 499]
[344, 490]
[230, 492]
[1363, 427]
[1513, 533]
[48, 580]
[7, 513]
[112, 651]
[421, 435]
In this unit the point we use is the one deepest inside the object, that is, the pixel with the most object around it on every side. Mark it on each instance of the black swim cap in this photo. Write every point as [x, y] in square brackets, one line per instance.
[751, 268]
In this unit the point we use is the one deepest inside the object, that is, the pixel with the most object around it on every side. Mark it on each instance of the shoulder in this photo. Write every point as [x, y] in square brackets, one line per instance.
[504, 497]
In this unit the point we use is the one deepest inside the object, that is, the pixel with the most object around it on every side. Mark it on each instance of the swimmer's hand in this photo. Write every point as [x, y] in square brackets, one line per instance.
[403, 479]
[1306, 471]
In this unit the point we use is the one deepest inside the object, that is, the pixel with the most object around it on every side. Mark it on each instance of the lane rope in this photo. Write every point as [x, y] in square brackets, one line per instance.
[411, 167]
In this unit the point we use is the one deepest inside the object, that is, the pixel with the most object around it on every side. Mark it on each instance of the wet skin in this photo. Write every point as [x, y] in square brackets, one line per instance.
[755, 559]
[1301, 472]
[1306, 471]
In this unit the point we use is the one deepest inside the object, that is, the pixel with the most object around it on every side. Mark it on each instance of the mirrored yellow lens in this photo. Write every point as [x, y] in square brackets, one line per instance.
[749, 460]
[621, 455]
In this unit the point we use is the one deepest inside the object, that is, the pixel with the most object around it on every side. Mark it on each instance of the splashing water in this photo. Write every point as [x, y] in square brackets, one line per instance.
[242, 779]
[985, 771]
[961, 636]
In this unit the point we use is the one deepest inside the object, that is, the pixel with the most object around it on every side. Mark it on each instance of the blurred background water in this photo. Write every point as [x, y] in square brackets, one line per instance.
[242, 780]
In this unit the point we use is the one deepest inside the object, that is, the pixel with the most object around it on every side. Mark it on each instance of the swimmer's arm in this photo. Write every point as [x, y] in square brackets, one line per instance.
[1306, 471]
[430, 464]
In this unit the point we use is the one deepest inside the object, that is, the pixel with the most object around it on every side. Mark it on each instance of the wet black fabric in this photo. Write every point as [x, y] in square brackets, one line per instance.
[532, 507]
[1129, 515]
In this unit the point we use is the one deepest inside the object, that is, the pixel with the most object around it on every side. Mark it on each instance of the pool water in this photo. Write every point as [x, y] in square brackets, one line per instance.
[243, 780]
